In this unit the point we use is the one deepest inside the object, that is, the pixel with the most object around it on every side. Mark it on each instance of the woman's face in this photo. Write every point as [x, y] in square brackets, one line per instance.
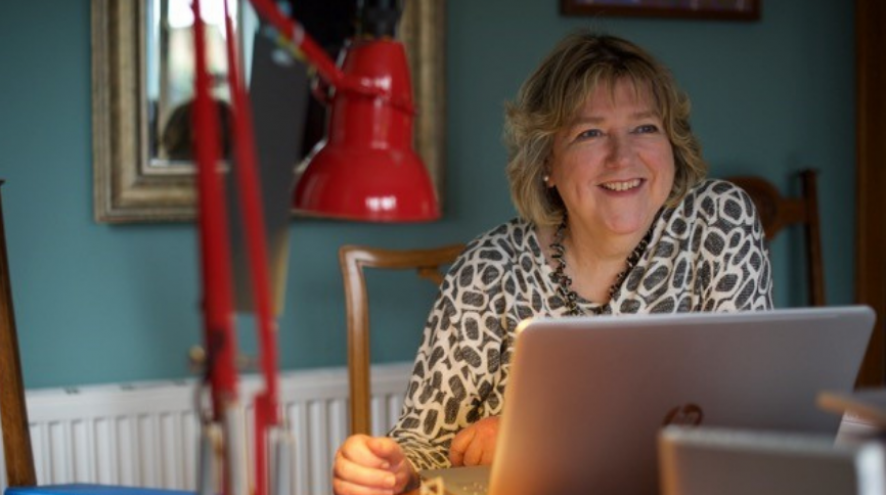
[614, 164]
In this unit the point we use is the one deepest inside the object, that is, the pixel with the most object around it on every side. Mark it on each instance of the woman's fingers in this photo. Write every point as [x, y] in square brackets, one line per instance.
[361, 474]
[387, 449]
[473, 454]
[406, 477]
[358, 470]
[475, 445]
[366, 466]
[460, 445]
[371, 452]
[488, 454]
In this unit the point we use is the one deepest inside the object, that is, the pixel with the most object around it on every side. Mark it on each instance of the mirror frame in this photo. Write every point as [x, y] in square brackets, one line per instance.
[124, 193]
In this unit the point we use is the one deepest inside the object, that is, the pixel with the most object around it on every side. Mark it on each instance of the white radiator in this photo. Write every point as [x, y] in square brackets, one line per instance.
[145, 434]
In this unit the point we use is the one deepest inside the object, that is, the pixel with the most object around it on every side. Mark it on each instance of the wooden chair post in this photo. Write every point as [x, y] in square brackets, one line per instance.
[353, 259]
[814, 258]
[13, 412]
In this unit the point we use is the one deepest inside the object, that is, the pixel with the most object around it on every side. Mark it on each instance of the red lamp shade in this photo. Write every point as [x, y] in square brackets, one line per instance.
[366, 169]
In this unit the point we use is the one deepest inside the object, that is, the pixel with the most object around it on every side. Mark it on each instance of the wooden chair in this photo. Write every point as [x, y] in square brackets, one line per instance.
[16, 435]
[20, 470]
[427, 262]
[777, 212]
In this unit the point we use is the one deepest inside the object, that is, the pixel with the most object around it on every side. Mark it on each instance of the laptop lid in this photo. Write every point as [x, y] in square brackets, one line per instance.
[702, 461]
[587, 396]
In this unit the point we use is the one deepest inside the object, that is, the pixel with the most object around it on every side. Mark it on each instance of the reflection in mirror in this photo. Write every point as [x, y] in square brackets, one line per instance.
[169, 54]
[142, 85]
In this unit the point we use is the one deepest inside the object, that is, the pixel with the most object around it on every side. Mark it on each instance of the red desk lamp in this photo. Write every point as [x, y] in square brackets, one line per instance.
[367, 170]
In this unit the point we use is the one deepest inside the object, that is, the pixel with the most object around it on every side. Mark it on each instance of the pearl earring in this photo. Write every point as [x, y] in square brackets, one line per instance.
[546, 178]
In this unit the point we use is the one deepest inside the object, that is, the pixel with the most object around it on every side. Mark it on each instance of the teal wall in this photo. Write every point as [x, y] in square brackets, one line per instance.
[99, 303]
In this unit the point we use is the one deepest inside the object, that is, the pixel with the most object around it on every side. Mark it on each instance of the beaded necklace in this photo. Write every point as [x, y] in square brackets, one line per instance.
[564, 281]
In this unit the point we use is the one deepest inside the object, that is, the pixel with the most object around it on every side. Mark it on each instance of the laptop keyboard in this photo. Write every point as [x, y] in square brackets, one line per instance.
[468, 488]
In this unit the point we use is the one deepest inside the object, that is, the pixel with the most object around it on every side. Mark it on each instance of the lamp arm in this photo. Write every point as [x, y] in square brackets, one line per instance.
[267, 412]
[295, 33]
[217, 284]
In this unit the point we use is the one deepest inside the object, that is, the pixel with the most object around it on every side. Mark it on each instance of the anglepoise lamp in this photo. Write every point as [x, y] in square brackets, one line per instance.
[366, 168]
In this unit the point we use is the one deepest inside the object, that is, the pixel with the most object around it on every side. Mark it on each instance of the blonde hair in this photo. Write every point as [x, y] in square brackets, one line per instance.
[549, 99]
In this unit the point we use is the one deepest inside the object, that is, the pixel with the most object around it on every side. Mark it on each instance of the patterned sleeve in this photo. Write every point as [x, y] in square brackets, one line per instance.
[457, 364]
[734, 253]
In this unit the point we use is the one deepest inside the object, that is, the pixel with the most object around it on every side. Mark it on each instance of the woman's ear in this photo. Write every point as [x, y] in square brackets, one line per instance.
[546, 172]
[546, 178]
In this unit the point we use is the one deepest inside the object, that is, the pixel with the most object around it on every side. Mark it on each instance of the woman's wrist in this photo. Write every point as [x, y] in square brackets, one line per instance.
[414, 480]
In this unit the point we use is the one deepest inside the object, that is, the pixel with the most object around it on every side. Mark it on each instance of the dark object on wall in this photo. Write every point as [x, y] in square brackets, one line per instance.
[736, 10]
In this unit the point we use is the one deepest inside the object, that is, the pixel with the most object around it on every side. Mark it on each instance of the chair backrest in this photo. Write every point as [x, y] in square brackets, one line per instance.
[427, 262]
[777, 212]
[16, 435]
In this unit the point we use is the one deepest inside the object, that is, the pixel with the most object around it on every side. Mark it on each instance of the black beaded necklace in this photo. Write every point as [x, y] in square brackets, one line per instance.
[564, 281]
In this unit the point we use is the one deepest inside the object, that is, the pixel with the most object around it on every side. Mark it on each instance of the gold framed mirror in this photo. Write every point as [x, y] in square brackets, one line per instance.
[135, 180]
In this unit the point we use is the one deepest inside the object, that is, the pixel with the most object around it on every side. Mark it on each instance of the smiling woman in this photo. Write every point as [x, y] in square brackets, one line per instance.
[141, 68]
[615, 219]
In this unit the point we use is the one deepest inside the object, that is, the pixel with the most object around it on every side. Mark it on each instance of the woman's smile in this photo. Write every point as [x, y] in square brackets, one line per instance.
[623, 186]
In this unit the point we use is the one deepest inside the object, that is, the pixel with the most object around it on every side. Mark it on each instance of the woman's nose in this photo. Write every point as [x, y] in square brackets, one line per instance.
[621, 152]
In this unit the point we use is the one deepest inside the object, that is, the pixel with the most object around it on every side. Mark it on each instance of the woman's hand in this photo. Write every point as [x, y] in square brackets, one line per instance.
[475, 445]
[367, 465]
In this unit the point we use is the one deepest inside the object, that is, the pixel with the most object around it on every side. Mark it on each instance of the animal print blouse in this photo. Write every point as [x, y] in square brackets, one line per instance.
[706, 254]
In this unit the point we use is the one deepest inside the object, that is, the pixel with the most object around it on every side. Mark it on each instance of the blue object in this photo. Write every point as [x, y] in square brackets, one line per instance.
[90, 489]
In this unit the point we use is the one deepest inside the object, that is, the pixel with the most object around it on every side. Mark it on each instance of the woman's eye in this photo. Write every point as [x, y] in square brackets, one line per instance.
[646, 129]
[590, 133]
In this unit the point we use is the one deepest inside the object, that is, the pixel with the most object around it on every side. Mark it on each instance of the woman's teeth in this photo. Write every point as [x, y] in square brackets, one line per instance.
[622, 186]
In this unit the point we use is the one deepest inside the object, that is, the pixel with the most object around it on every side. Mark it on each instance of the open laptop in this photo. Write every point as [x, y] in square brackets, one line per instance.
[587, 396]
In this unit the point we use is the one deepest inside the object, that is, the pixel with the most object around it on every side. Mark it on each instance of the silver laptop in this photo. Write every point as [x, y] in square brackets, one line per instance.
[587, 396]
[706, 460]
